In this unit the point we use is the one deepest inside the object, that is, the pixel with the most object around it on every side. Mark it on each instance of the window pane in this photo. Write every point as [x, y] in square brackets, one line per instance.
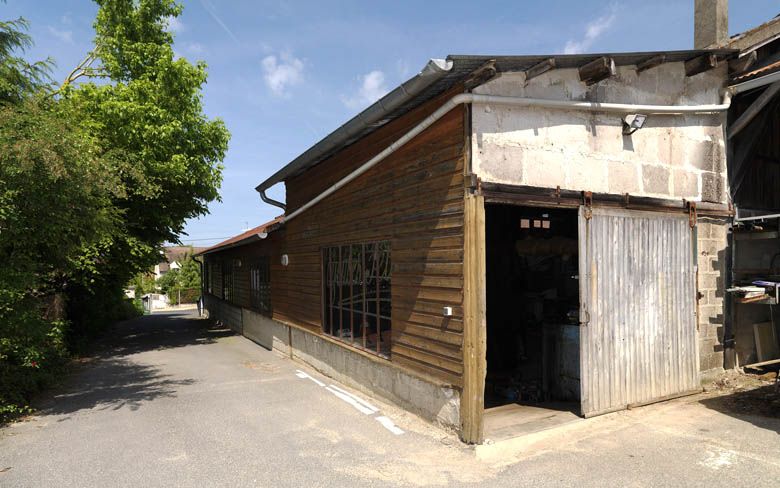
[356, 287]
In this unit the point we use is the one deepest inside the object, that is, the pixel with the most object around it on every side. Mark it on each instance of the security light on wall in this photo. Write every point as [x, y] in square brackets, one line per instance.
[285, 260]
[632, 123]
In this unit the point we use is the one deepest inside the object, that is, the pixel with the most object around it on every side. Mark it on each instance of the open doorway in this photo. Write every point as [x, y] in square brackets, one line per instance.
[533, 339]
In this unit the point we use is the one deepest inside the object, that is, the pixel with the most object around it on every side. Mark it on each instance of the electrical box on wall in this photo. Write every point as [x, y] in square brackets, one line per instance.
[285, 260]
[447, 311]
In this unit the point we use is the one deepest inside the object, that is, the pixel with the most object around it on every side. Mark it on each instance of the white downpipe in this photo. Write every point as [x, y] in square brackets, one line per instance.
[462, 98]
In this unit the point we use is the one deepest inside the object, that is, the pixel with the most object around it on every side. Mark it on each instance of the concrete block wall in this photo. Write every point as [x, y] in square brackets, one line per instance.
[712, 249]
[671, 157]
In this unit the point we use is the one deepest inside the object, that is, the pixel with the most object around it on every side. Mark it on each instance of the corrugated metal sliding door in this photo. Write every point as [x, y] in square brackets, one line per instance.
[637, 308]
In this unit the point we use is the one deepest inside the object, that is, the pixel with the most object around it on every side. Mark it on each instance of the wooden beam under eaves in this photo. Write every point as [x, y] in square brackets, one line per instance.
[481, 75]
[540, 68]
[650, 63]
[742, 63]
[597, 70]
[701, 64]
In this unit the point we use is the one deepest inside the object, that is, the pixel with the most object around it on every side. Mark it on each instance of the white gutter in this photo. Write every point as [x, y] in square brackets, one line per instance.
[463, 98]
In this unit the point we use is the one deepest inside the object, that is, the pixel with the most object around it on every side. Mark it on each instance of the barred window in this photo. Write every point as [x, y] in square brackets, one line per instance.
[227, 281]
[357, 295]
[260, 285]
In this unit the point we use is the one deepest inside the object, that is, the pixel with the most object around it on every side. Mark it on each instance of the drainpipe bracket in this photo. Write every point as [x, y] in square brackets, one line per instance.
[692, 217]
[587, 202]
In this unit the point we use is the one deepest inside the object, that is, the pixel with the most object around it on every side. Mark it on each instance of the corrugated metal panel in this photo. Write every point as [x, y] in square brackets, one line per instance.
[638, 308]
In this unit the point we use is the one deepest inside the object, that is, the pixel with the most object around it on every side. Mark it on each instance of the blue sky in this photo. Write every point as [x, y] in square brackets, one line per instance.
[282, 75]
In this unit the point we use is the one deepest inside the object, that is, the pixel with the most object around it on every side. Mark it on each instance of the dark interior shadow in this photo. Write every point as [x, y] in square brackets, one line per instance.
[112, 379]
[760, 406]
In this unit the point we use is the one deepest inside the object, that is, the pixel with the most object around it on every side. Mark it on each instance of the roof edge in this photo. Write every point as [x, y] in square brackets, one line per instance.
[433, 70]
[439, 69]
[246, 237]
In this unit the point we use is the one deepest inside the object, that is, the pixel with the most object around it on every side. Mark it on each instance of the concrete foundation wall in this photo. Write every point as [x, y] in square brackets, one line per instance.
[671, 157]
[712, 249]
[266, 332]
[228, 314]
[434, 402]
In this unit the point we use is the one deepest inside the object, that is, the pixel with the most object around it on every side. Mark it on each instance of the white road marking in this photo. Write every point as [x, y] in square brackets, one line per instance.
[356, 398]
[389, 425]
[350, 400]
[360, 405]
[301, 374]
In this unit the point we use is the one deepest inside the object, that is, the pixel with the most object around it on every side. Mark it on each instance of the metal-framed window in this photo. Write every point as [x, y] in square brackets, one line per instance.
[227, 281]
[260, 285]
[356, 291]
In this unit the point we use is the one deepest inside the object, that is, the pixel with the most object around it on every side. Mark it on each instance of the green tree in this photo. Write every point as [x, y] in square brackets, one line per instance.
[55, 201]
[18, 77]
[146, 115]
[94, 178]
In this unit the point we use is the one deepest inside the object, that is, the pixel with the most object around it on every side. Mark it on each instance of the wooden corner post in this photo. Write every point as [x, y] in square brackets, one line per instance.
[472, 401]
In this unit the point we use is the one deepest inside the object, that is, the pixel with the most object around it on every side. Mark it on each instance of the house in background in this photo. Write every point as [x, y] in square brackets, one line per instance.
[504, 239]
[172, 257]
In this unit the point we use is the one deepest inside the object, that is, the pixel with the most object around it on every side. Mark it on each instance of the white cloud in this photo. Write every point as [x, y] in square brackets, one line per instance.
[173, 24]
[282, 72]
[372, 88]
[593, 31]
[194, 47]
[62, 35]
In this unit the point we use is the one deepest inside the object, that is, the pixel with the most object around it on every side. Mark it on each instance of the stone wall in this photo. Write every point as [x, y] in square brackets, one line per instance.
[671, 157]
[712, 249]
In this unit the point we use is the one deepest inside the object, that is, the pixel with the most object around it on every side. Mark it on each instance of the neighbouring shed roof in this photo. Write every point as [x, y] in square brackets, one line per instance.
[438, 76]
[757, 36]
[246, 237]
[753, 74]
[761, 64]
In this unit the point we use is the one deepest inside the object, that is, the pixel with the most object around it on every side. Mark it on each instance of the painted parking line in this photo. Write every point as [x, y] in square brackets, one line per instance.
[360, 408]
[389, 425]
[301, 374]
[358, 403]
[356, 398]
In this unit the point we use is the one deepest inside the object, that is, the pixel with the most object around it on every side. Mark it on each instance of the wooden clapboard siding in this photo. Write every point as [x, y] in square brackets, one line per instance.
[414, 199]
[246, 255]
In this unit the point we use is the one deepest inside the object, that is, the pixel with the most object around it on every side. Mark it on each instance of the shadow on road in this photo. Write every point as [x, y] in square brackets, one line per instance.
[758, 406]
[114, 378]
[156, 332]
[112, 384]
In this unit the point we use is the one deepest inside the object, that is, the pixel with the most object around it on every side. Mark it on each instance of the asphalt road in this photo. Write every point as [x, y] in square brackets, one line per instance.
[166, 402]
